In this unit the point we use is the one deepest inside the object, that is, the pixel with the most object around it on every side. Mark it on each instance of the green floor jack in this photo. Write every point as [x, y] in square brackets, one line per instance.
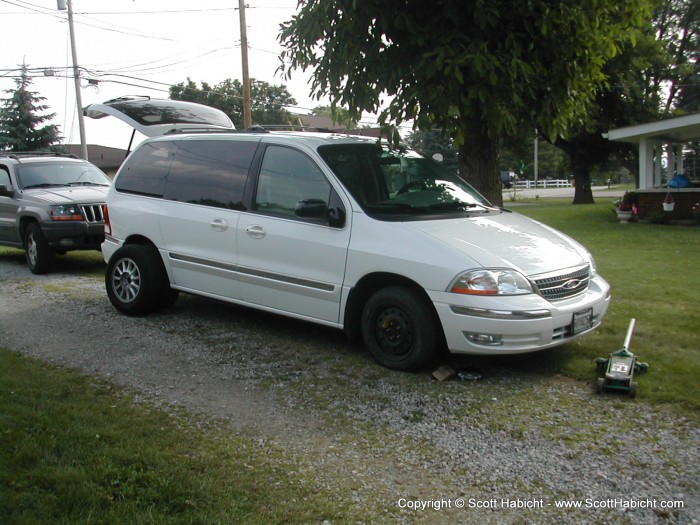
[620, 368]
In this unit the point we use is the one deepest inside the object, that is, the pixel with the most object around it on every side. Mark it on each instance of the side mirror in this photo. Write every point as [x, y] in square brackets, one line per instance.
[318, 209]
[311, 209]
[4, 192]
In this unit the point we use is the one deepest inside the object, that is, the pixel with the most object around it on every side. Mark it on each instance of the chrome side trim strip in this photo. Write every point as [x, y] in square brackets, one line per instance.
[203, 262]
[325, 287]
[287, 279]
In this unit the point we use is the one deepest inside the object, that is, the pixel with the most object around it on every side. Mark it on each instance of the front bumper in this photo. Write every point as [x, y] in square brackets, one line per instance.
[73, 235]
[517, 324]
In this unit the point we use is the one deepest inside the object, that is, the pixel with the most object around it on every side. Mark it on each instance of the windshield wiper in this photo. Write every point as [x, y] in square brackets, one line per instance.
[45, 185]
[456, 206]
[86, 183]
[398, 206]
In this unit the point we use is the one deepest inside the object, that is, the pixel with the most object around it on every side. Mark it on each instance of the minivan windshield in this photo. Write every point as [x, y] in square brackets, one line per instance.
[394, 183]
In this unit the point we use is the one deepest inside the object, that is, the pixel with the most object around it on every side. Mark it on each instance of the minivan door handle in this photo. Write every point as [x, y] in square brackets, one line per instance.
[219, 225]
[255, 231]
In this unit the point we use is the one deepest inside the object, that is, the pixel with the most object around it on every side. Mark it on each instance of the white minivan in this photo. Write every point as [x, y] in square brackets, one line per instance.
[338, 230]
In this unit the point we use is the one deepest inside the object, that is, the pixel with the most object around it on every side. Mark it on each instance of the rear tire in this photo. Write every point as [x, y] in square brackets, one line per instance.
[398, 328]
[135, 279]
[37, 251]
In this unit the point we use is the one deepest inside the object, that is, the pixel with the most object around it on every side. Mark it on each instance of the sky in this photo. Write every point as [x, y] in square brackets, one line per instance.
[139, 47]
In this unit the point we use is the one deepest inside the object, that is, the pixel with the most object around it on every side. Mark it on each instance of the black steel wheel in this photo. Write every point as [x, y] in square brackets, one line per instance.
[398, 328]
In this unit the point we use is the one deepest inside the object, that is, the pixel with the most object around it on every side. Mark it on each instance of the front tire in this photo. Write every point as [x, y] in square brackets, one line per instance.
[37, 251]
[399, 329]
[135, 279]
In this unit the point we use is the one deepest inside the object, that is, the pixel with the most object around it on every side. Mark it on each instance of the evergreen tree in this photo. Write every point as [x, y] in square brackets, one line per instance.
[20, 120]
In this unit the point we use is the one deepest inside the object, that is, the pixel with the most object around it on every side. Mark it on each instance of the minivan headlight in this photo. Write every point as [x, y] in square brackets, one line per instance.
[65, 212]
[491, 282]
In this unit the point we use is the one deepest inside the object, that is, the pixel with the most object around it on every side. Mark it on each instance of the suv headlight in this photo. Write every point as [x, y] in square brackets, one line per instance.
[65, 212]
[491, 282]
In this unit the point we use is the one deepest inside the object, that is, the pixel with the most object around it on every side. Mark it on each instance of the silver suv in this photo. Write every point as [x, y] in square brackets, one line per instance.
[50, 204]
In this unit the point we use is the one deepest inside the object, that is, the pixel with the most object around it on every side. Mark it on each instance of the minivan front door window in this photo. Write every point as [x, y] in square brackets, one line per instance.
[291, 184]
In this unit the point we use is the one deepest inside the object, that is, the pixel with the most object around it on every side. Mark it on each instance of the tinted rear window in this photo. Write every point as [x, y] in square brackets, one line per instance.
[146, 169]
[206, 172]
[210, 172]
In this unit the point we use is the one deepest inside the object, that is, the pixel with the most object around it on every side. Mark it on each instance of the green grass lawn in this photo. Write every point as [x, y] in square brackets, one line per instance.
[654, 271]
[75, 450]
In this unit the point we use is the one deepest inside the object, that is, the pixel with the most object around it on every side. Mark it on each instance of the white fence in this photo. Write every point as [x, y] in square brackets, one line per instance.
[554, 183]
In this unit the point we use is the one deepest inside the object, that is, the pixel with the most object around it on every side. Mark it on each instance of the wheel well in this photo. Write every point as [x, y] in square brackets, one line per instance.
[138, 239]
[364, 289]
[24, 223]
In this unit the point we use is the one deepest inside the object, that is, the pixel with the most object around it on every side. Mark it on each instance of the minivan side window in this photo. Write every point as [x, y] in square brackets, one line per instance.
[210, 172]
[146, 169]
[289, 179]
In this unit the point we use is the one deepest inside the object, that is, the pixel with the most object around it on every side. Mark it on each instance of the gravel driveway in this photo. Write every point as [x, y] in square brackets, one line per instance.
[513, 447]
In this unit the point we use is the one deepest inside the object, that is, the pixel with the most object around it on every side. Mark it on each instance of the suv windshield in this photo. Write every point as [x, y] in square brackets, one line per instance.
[391, 183]
[44, 174]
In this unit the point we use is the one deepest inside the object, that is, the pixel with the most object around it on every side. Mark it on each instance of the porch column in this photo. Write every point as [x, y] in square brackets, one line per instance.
[658, 148]
[646, 164]
[670, 160]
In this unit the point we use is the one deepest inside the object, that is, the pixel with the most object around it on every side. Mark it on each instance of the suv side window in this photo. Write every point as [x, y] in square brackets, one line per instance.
[210, 172]
[288, 177]
[146, 169]
[5, 178]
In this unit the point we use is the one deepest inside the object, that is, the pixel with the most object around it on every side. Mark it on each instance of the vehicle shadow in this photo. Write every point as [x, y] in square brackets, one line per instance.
[297, 344]
[83, 263]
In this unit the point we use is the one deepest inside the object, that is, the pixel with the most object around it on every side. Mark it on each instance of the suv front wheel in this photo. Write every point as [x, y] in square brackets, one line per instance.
[135, 279]
[38, 253]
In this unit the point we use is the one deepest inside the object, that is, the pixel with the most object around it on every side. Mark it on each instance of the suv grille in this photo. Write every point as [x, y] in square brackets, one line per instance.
[93, 212]
[561, 286]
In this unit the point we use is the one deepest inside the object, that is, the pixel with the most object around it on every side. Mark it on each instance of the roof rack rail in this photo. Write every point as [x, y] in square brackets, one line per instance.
[297, 127]
[253, 129]
[23, 154]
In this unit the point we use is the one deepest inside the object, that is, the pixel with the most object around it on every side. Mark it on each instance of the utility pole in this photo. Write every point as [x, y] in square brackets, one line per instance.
[247, 113]
[537, 143]
[76, 77]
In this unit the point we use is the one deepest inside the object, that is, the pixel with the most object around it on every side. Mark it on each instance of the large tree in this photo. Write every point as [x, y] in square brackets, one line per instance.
[479, 69]
[21, 119]
[268, 101]
[677, 24]
[650, 80]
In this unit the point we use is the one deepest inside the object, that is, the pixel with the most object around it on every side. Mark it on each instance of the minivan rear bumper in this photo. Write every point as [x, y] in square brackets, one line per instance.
[518, 324]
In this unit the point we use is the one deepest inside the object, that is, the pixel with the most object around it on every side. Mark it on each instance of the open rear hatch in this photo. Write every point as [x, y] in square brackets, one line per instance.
[155, 117]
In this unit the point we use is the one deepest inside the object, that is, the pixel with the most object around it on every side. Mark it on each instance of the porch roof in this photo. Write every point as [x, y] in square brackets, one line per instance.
[652, 138]
[676, 130]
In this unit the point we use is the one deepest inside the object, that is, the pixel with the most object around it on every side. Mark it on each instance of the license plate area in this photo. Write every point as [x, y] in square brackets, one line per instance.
[582, 321]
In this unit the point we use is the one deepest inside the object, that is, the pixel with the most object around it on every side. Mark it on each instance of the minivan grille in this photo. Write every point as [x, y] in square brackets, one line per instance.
[93, 212]
[553, 286]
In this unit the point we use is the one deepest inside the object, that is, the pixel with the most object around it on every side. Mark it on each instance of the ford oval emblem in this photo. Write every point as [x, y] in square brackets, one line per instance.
[571, 284]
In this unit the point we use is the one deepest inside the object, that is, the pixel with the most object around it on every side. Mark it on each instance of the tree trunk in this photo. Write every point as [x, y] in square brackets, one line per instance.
[478, 165]
[583, 193]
